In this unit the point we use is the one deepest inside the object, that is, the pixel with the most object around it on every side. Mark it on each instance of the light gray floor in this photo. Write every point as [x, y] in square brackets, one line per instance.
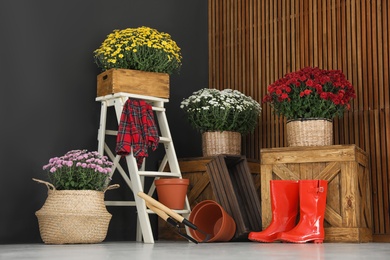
[186, 250]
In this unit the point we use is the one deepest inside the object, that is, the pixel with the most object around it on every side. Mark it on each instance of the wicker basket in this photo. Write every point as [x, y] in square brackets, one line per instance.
[309, 132]
[73, 216]
[226, 142]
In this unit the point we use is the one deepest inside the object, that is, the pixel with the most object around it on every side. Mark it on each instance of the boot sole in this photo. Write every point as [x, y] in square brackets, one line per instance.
[314, 240]
[263, 241]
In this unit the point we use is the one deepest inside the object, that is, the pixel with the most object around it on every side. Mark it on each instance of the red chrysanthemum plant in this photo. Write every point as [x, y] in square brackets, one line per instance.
[311, 93]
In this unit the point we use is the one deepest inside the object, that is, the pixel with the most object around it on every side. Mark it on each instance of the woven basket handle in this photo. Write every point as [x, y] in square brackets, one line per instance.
[111, 187]
[48, 184]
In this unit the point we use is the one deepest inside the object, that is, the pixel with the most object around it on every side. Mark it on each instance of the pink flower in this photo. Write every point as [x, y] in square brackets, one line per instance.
[79, 169]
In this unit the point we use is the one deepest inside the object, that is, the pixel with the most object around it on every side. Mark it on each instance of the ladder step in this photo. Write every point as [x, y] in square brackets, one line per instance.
[163, 140]
[119, 203]
[158, 109]
[111, 132]
[130, 95]
[159, 174]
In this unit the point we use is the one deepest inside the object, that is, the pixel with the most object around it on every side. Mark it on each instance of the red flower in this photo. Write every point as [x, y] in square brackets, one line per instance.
[324, 95]
[284, 96]
[310, 83]
[311, 92]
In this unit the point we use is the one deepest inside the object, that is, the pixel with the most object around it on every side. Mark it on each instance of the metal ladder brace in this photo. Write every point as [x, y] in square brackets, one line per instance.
[135, 178]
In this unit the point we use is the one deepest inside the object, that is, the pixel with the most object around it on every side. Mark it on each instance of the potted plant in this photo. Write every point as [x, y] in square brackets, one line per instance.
[74, 211]
[137, 60]
[222, 117]
[309, 98]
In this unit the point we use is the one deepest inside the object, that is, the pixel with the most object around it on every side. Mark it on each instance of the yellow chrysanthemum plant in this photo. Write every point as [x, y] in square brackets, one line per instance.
[141, 48]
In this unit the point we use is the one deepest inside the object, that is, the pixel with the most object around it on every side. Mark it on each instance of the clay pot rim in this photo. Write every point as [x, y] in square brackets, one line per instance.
[172, 181]
[198, 208]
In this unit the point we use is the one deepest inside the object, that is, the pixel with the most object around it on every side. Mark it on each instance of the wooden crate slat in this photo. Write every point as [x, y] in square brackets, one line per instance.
[235, 192]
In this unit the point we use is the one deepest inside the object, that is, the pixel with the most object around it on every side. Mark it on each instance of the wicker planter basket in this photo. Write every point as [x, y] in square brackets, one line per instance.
[73, 216]
[226, 142]
[309, 132]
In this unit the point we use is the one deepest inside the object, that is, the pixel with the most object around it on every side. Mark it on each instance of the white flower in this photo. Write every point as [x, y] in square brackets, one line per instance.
[221, 110]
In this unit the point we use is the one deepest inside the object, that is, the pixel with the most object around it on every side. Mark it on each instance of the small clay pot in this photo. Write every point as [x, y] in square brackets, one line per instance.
[172, 192]
[211, 218]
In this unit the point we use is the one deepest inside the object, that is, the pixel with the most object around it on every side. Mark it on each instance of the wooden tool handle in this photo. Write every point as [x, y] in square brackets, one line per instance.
[158, 211]
[160, 206]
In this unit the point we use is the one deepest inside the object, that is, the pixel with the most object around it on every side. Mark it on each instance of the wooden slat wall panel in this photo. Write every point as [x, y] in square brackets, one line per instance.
[252, 43]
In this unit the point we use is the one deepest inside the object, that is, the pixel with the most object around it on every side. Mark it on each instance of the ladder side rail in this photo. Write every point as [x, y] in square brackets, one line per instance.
[102, 127]
[172, 158]
[169, 148]
[161, 168]
[137, 184]
[143, 215]
[138, 235]
[118, 167]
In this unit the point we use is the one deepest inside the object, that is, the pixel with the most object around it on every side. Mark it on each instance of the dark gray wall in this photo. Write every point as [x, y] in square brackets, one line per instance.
[48, 90]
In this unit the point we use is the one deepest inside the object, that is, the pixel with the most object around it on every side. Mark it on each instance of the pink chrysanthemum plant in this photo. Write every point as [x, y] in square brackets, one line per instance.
[79, 170]
[311, 93]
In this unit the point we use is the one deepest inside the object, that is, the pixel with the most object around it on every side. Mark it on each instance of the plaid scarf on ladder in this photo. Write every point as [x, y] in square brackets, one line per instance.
[137, 130]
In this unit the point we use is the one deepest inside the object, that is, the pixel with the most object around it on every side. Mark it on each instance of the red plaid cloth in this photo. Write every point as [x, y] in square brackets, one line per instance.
[136, 130]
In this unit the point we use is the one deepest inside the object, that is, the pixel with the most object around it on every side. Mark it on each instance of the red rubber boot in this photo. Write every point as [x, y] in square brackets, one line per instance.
[284, 207]
[312, 199]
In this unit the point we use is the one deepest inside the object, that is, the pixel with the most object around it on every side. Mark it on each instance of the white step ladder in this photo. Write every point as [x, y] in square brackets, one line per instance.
[135, 178]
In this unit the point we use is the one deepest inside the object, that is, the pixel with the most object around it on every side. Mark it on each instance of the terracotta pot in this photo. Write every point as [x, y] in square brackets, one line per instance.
[211, 218]
[172, 192]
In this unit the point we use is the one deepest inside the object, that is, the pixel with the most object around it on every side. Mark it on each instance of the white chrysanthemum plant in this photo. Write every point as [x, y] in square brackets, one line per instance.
[221, 110]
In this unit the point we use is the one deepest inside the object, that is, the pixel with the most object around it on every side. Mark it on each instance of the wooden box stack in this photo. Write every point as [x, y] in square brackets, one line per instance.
[195, 169]
[133, 81]
[234, 190]
[348, 215]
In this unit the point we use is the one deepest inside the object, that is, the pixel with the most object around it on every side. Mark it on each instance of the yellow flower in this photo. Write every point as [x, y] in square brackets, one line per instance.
[157, 51]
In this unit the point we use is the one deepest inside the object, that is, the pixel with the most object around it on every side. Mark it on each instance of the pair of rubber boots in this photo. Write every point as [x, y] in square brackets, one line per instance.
[287, 197]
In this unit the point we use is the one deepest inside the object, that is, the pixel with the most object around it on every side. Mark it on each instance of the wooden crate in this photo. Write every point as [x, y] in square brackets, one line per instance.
[348, 215]
[200, 188]
[133, 81]
[234, 190]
